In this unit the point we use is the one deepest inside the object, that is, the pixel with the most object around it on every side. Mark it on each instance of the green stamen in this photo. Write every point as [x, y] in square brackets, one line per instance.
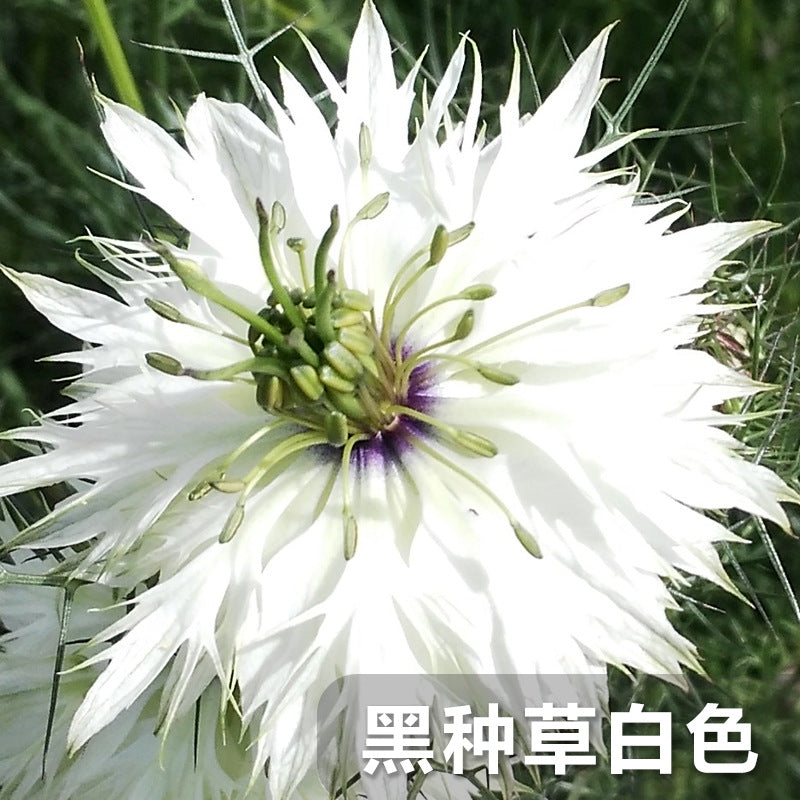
[350, 526]
[604, 298]
[164, 363]
[170, 313]
[289, 447]
[523, 535]
[478, 292]
[475, 443]
[487, 371]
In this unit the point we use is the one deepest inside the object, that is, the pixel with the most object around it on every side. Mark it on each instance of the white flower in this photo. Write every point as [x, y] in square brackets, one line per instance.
[129, 760]
[463, 430]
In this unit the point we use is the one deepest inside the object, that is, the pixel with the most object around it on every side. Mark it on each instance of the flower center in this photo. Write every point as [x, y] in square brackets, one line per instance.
[327, 368]
[318, 358]
[327, 375]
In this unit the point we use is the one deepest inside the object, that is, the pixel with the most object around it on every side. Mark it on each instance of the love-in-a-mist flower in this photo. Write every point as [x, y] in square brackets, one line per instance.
[404, 403]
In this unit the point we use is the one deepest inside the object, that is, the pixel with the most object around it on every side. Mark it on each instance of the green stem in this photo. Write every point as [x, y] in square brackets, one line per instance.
[116, 62]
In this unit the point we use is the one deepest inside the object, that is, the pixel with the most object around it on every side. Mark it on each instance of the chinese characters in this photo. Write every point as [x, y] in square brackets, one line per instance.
[558, 736]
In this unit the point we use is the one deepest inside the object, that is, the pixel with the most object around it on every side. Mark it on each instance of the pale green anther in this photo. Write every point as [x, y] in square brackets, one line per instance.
[200, 491]
[342, 360]
[465, 325]
[476, 443]
[356, 341]
[227, 487]
[331, 378]
[296, 341]
[190, 274]
[305, 376]
[347, 404]
[164, 310]
[164, 363]
[373, 208]
[346, 318]
[275, 392]
[526, 539]
[369, 365]
[364, 146]
[439, 244]
[232, 524]
[336, 428]
[297, 244]
[480, 291]
[277, 216]
[358, 301]
[496, 375]
[459, 234]
[350, 535]
[610, 296]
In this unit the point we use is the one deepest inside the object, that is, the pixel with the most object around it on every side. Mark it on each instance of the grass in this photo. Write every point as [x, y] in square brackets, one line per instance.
[728, 62]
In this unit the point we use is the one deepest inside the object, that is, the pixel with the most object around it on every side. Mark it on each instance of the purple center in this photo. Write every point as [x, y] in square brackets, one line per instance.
[386, 447]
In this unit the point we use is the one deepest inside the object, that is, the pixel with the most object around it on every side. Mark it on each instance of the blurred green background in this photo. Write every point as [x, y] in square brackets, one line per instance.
[730, 61]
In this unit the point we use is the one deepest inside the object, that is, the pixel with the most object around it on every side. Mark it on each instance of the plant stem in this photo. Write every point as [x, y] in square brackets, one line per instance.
[103, 27]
